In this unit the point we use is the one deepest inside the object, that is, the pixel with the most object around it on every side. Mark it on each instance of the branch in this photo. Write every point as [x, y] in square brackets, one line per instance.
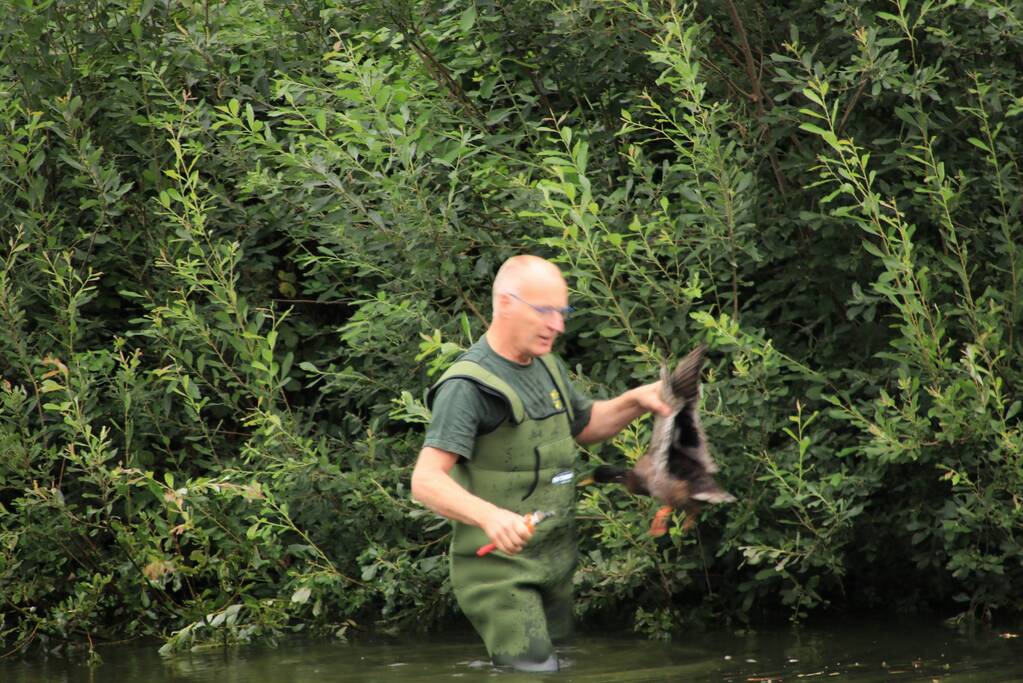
[751, 65]
[438, 70]
[852, 103]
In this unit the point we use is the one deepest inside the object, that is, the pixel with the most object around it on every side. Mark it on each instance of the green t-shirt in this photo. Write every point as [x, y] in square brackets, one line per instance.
[463, 410]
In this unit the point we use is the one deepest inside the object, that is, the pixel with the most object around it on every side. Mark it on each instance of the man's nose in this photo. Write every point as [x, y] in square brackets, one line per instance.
[557, 322]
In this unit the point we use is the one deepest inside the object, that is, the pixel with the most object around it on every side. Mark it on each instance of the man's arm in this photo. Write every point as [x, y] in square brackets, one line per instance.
[433, 486]
[609, 417]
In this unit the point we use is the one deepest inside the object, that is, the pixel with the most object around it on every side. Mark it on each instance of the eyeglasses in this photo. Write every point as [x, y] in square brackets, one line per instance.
[546, 311]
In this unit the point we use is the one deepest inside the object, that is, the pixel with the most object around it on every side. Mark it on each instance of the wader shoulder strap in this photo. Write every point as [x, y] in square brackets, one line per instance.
[466, 369]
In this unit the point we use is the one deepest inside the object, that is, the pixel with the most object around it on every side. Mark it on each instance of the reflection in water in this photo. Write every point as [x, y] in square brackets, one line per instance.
[857, 653]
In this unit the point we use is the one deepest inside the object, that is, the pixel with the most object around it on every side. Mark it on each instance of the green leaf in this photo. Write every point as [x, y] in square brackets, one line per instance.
[468, 18]
[813, 97]
[487, 86]
[978, 143]
[49, 385]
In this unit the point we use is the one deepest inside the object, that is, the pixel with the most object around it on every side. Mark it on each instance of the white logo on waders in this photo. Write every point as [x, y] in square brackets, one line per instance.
[563, 477]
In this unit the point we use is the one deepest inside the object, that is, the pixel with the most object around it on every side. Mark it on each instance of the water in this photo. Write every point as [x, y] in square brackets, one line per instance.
[854, 653]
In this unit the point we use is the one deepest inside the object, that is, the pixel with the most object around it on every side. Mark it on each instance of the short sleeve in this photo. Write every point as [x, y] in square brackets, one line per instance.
[461, 412]
[582, 404]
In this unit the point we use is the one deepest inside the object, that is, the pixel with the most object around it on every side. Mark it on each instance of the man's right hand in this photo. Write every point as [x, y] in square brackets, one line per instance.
[433, 486]
[508, 530]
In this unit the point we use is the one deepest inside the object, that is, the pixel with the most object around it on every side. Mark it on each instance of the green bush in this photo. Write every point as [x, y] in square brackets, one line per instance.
[240, 240]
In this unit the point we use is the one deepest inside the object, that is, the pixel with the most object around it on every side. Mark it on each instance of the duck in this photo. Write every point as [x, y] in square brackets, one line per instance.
[677, 468]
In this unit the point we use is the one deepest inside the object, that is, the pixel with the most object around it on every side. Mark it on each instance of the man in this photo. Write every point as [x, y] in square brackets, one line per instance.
[501, 444]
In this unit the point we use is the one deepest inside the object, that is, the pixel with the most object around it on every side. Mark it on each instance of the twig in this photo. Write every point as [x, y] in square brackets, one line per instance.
[751, 66]
[851, 105]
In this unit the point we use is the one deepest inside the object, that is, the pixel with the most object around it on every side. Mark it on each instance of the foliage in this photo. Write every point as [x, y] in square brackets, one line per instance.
[238, 240]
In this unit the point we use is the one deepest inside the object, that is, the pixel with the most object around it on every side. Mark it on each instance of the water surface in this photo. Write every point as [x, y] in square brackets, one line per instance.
[850, 653]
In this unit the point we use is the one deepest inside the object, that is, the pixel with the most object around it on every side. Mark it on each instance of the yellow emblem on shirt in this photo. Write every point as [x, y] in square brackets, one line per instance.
[556, 399]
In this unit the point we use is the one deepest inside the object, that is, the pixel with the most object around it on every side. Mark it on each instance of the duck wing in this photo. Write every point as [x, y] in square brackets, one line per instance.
[687, 455]
[675, 438]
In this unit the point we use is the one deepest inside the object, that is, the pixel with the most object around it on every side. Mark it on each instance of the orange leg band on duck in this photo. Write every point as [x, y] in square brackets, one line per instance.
[659, 526]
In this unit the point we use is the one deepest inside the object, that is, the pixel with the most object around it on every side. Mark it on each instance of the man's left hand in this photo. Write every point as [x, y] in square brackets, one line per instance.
[609, 417]
[649, 398]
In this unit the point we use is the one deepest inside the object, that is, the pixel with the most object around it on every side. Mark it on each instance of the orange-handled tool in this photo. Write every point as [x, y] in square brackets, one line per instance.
[532, 519]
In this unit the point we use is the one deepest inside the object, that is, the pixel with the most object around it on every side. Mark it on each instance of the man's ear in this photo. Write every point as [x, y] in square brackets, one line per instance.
[501, 304]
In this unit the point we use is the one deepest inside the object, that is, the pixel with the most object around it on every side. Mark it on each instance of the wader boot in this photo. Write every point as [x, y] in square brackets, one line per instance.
[519, 603]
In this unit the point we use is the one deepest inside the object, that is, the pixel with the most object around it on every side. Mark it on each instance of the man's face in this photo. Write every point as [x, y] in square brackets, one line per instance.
[536, 315]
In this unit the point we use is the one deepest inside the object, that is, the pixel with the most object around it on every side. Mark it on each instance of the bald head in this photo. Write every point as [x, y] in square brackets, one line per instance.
[530, 299]
[523, 271]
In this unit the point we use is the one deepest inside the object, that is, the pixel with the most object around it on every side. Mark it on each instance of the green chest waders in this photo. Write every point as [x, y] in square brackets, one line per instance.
[518, 603]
